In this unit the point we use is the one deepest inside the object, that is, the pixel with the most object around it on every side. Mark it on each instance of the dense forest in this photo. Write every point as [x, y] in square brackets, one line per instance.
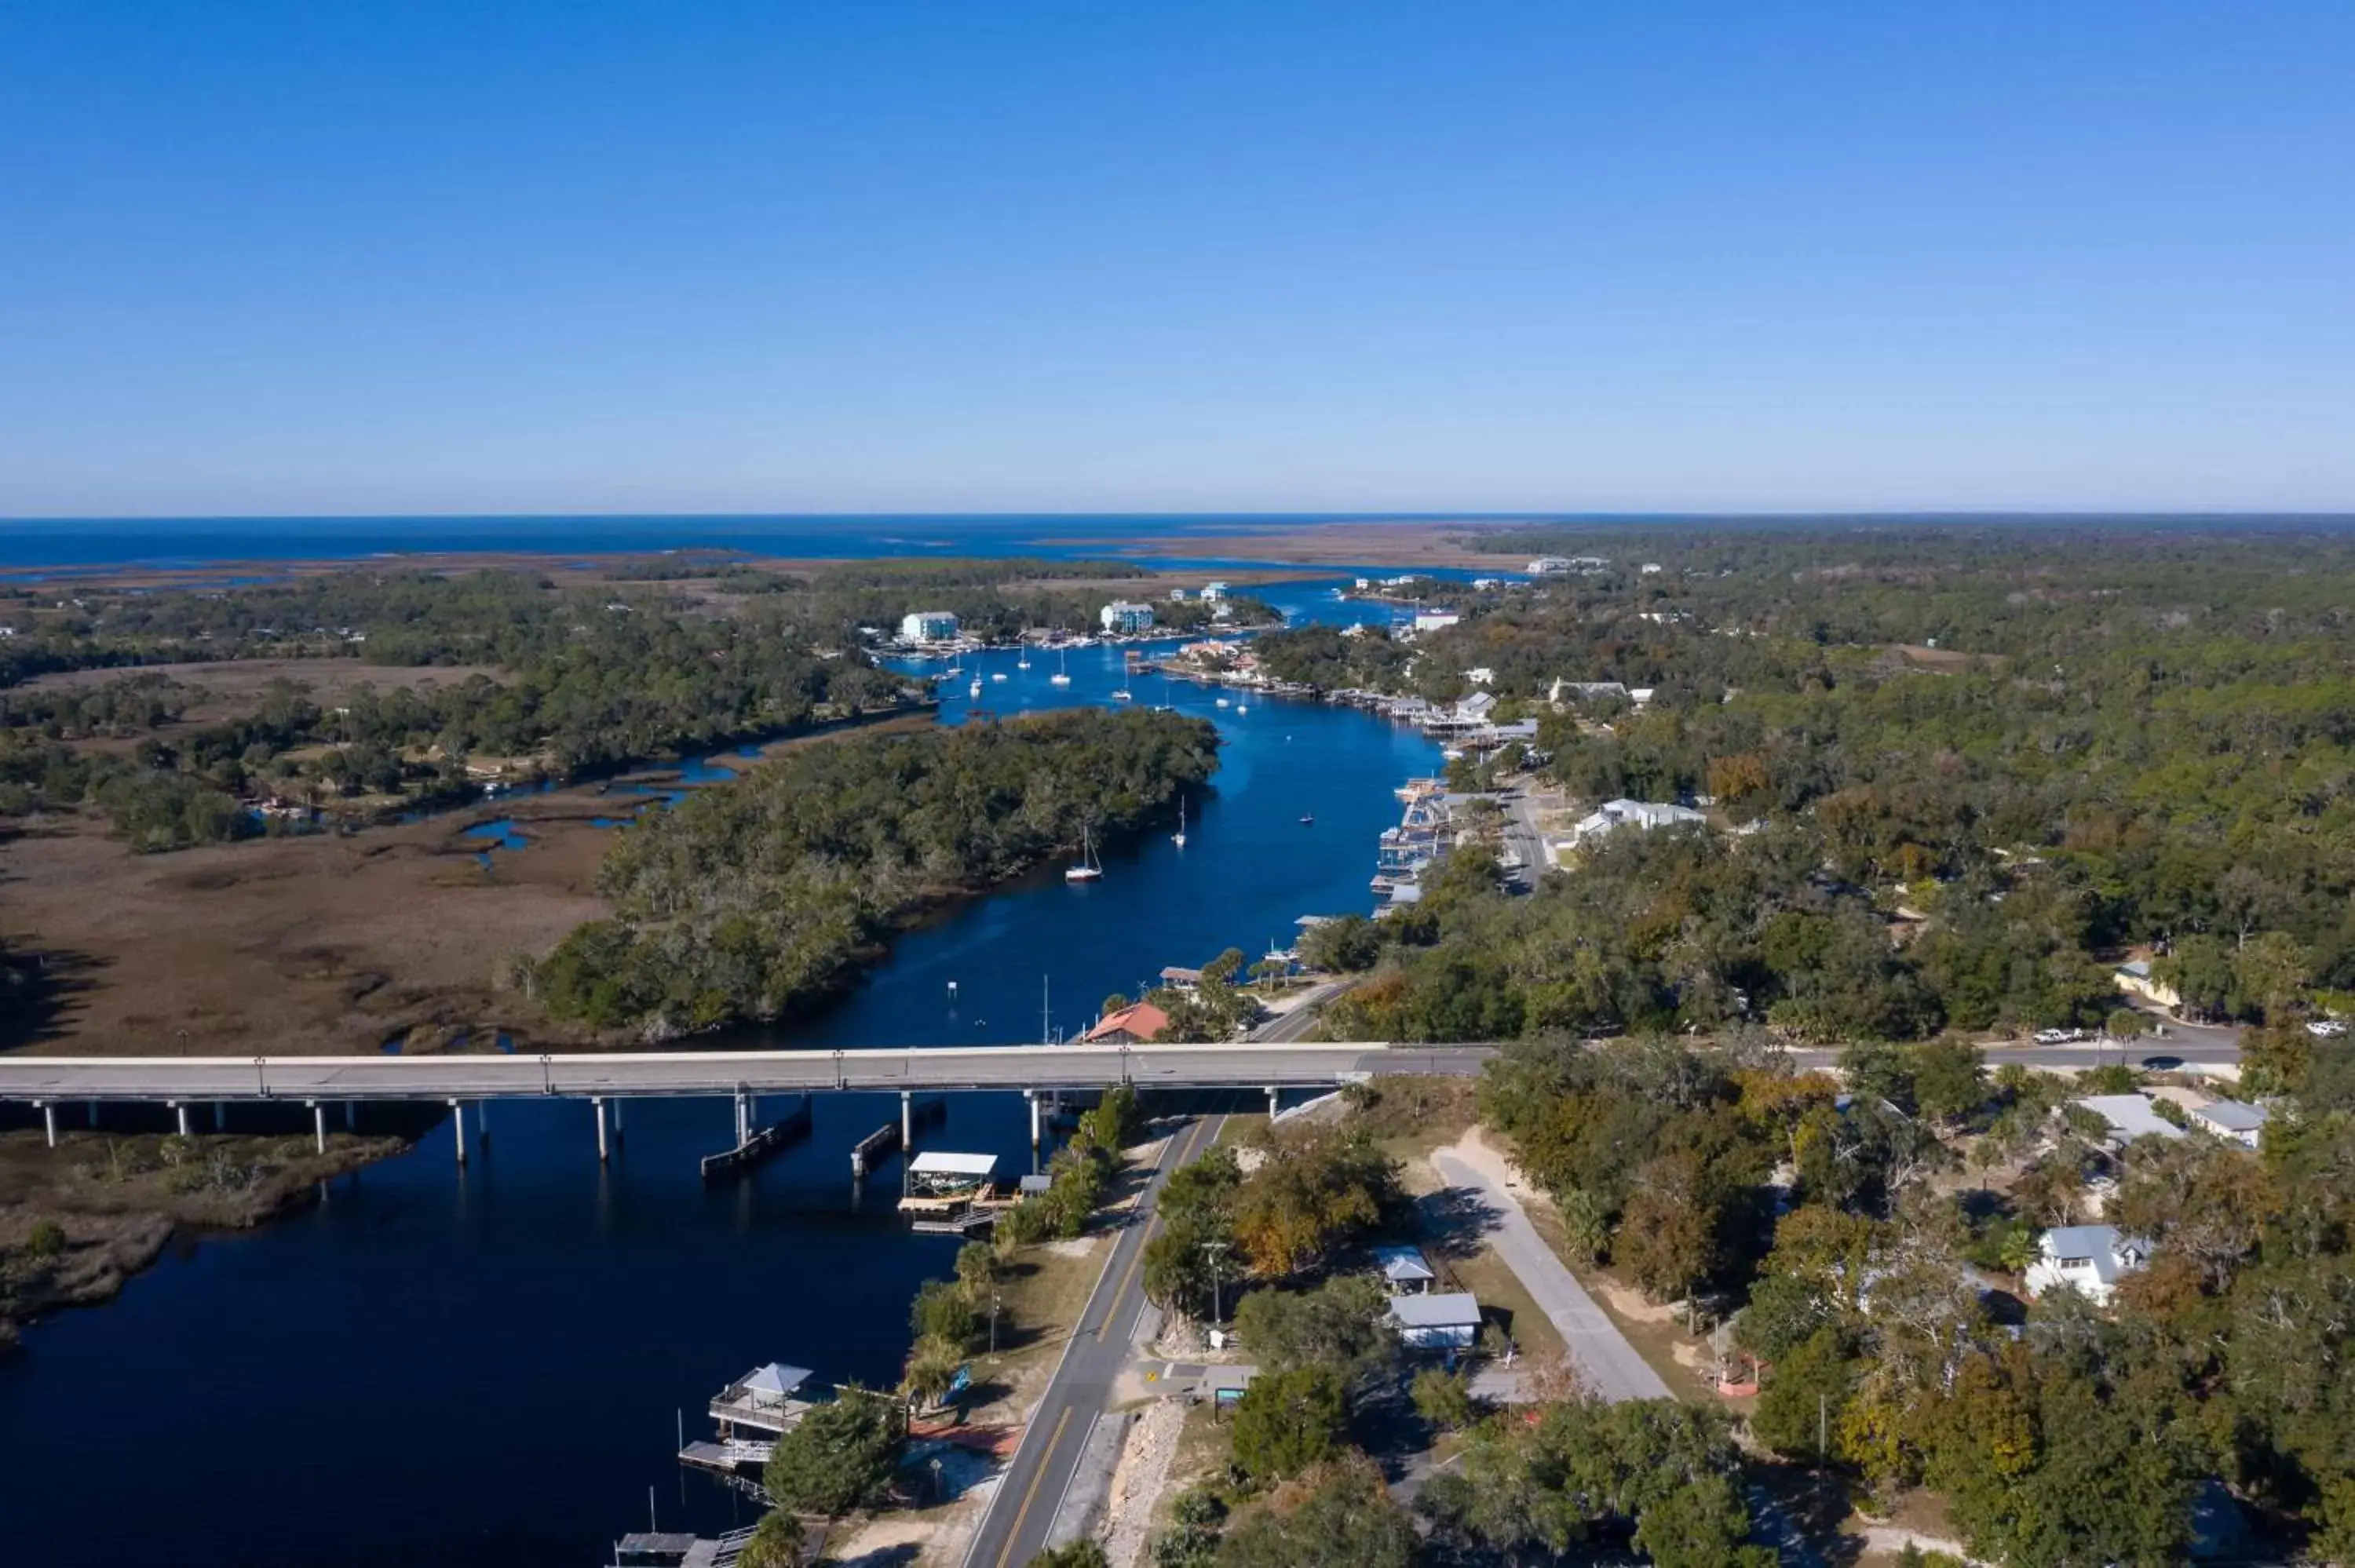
[749, 902]
[1952, 778]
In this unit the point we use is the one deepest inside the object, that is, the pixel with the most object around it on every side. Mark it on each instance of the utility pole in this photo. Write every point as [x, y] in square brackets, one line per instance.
[993, 1300]
[1214, 1248]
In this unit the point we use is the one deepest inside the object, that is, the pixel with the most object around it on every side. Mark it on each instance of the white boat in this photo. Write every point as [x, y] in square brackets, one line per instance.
[1222, 702]
[1241, 706]
[1087, 869]
[997, 674]
[1023, 661]
[1178, 838]
[974, 689]
[1121, 695]
[1062, 677]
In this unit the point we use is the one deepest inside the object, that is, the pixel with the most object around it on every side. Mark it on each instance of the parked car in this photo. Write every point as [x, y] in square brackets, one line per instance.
[2326, 1028]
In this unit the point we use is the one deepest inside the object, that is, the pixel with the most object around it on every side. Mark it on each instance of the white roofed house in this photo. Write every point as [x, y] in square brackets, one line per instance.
[1447, 1322]
[2088, 1259]
[1475, 708]
[2130, 1117]
[1641, 815]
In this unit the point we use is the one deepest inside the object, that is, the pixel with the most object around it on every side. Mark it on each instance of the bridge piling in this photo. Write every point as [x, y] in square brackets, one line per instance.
[1032, 1096]
[93, 1113]
[597, 1103]
[458, 1122]
[351, 1116]
[1272, 1100]
[182, 1111]
[907, 1119]
[319, 1125]
[617, 1120]
[49, 1120]
[220, 1115]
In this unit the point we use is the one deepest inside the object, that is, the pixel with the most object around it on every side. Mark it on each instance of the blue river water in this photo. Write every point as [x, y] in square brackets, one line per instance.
[487, 1367]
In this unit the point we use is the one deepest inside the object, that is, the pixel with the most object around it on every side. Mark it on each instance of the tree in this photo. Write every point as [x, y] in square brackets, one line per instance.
[1288, 1421]
[838, 1457]
[1946, 1082]
[1443, 1399]
[1804, 1396]
[776, 1542]
[977, 1271]
[932, 1371]
[1338, 1516]
[1342, 1326]
[944, 1312]
[2126, 1026]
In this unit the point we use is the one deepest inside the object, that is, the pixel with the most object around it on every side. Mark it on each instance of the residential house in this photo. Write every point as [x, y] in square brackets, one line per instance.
[1139, 1024]
[1549, 565]
[1447, 1322]
[2130, 1117]
[1434, 620]
[2088, 1259]
[1475, 708]
[2136, 978]
[1642, 815]
[2233, 1120]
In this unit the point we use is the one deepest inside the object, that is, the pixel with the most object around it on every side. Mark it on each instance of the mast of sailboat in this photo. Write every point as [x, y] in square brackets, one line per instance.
[1046, 1012]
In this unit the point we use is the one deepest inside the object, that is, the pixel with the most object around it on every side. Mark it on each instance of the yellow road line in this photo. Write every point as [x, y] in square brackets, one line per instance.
[1137, 1259]
[1046, 1457]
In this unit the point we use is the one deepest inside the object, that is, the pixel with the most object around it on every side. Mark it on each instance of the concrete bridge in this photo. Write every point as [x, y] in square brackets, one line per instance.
[606, 1080]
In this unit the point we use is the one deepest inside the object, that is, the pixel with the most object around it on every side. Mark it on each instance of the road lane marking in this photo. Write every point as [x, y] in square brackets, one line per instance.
[1137, 1259]
[1046, 1458]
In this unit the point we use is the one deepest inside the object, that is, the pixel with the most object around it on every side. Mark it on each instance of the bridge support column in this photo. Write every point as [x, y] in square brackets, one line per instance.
[220, 1115]
[319, 1124]
[458, 1122]
[1032, 1096]
[482, 1122]
[1272, 1093]
[351, 1116]
[907, 1120]
[93, 1113]
[617, 1120]
[602, 1152]
[49, 1120]
[743, 1118]
[183, 1113]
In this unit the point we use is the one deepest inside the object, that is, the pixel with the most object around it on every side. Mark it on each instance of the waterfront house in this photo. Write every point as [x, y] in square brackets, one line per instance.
[1214, 591]
[1124, 617]
[2088, 1259]
[1448, 1322]
[1404, 1269]
[1140, 1024]
[1178, 596]
[1178, 977]
[2232, 1120]
[1434, 620]
[1475, 708]
[928, 626]
[1549, 565]
[2130, 1117]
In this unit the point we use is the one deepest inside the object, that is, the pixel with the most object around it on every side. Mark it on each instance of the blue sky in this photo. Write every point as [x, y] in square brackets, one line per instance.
[418, 256]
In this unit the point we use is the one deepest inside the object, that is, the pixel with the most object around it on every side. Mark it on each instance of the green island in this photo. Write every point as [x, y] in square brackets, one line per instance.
[750, 902]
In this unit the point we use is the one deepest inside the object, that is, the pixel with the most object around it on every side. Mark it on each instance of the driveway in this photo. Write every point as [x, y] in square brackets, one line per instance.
[1610, 1365]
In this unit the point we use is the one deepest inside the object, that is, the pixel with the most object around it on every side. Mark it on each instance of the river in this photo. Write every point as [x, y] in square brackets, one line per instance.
[483, 1367]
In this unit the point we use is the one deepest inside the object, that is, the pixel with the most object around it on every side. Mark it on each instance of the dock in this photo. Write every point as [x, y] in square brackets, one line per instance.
[756, 1144]
[729, 1457]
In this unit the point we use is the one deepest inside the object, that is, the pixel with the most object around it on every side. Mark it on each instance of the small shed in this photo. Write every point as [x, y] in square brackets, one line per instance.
[1437, 1323]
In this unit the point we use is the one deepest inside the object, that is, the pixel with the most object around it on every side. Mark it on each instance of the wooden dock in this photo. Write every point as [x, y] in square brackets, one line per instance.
[791, 1128]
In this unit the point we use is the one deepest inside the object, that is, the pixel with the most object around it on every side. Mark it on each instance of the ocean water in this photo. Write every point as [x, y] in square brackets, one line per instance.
[490, 1368]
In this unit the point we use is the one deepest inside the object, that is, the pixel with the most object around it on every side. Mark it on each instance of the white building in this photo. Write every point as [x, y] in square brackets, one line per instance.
[2088, 1259]
[1434, 620]
[1178, 596]
[1481, 675]
[1214, 591]
[1549, 565]
[1404, 1269]
[2232, 1120]
[1124, 616]
[928, 626]
[1642, 815]
[1443, 1322]
[1650, 569]
[1475, 708]
[1486, 585]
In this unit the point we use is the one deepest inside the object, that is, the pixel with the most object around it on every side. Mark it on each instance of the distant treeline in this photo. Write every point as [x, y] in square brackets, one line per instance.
[753, 901]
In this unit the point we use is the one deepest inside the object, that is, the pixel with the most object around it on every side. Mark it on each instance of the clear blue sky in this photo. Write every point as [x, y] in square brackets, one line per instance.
[418, 256]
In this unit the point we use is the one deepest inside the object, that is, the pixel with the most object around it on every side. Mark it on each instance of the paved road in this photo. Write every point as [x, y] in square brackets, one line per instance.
[1609, 1364]
[1023, 1509]
[1302, 1017]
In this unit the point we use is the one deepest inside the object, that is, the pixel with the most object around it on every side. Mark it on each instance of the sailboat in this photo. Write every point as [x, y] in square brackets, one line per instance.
[1022, 659]
[1087, 869]
[1062, 676]
[973, 689]
[1178, 838]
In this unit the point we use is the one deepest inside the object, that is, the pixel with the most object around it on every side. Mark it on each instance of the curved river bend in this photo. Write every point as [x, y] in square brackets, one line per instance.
[482, 1369]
